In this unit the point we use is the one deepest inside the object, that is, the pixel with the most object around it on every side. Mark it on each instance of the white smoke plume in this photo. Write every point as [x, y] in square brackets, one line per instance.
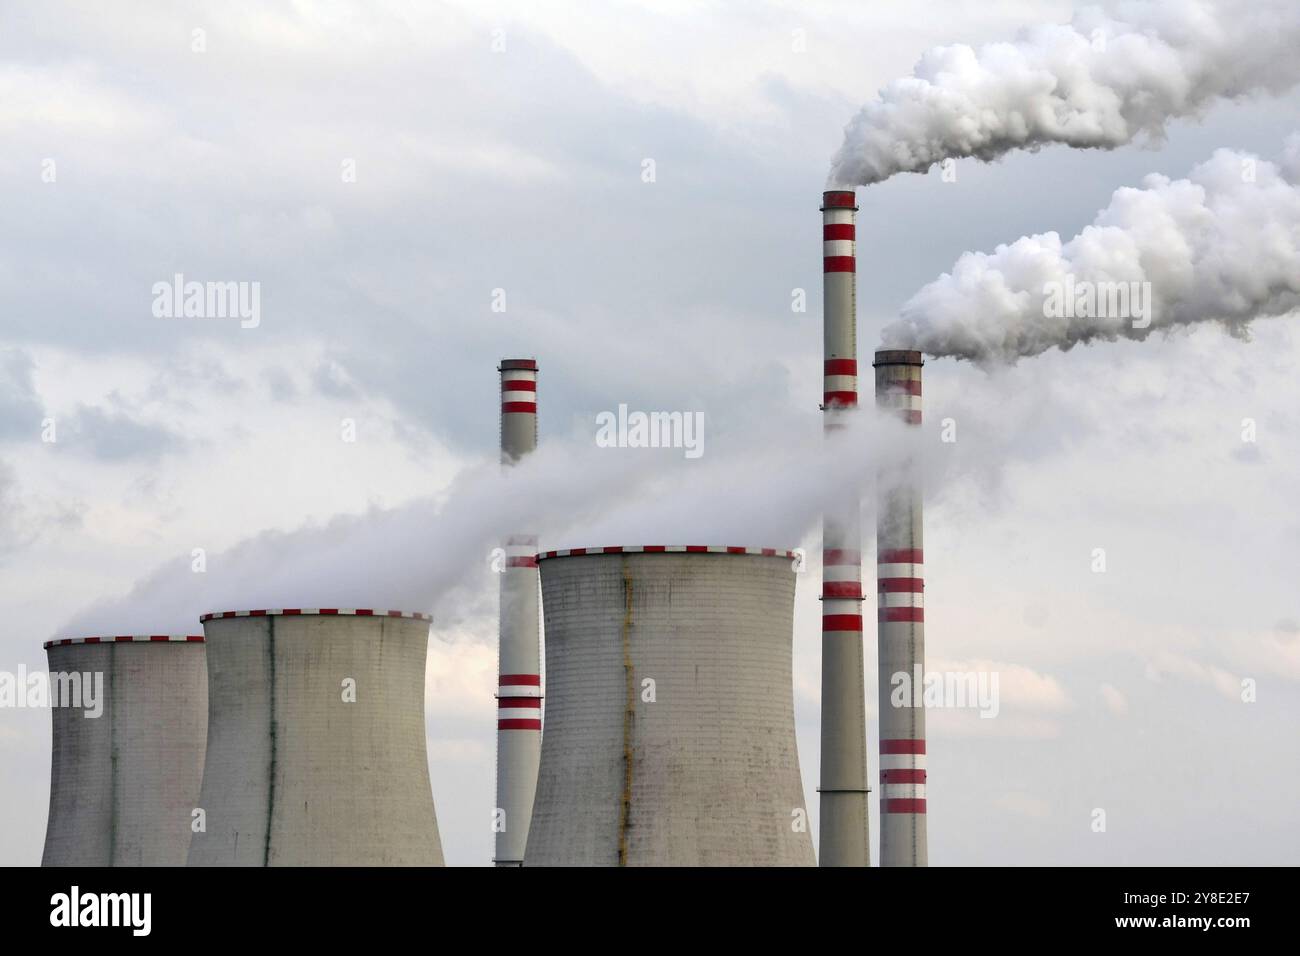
[435, 555]
[1222, 245]
[1097, 82]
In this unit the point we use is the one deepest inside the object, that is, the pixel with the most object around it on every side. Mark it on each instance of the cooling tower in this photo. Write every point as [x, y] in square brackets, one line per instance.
[316, 742]
[900, 588]
[670, 710]
[844, 821]
[519, 681]
[123, 785]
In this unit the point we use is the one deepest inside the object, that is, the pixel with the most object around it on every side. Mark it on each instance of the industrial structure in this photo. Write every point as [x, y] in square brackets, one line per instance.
[670, 711]
[900, 584]
[129, 724]
[316, 741]
[844, 838]
[519, 679]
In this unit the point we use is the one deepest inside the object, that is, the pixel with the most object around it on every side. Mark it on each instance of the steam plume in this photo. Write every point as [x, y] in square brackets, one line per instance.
[1097, 82]
[1221, 245]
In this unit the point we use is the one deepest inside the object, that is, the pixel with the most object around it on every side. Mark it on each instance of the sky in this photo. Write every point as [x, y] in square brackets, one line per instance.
[391, 174]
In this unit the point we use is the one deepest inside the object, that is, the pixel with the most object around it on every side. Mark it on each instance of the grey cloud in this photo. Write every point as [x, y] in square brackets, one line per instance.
[20, 412]
[115, 436]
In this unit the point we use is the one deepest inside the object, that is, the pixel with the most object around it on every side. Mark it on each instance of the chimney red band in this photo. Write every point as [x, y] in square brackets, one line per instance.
[901, 556]
[839, 199]
[901, 615]
[902, 805]
[902, 776]
[841, 622]
[903, 746]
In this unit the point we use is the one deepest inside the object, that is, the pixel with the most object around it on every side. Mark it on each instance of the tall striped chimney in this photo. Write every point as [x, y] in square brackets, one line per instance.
[519, 682]
[900, 583]
[844, 840]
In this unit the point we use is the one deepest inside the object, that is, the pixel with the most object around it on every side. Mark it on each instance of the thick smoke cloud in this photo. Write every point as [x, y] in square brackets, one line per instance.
[1097, 82]
[1221, 245]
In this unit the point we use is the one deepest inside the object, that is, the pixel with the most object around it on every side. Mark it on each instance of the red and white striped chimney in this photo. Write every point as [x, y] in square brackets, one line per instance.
[900, 589]
[519, 682]
[844, 839]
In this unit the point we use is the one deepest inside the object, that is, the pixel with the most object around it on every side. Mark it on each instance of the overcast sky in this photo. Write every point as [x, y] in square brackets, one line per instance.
[502, 147]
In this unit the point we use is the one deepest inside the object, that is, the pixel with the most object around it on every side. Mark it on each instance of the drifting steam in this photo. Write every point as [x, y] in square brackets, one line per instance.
[1097, 82]
[434, 554]
[1221, 245]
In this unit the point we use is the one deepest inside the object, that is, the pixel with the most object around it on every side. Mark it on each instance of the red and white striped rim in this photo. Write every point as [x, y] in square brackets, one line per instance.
[518, 386]
[839, 199]
[668, 549]
[521, 551]
[306, 611]
[129, 639]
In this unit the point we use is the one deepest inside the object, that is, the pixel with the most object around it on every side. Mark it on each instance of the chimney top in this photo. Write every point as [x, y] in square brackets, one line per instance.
[839, 199]
[898, 357]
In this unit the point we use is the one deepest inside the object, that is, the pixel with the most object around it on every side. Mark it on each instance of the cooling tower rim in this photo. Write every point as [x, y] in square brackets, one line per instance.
[668, 549]
[127, 639]
[314, 611]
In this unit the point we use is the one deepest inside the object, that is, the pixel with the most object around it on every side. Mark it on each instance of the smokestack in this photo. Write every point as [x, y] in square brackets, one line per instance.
[316, 740]
[123, 784]
[670, 719]
[900, 583]
[519, 681]
[844, 837]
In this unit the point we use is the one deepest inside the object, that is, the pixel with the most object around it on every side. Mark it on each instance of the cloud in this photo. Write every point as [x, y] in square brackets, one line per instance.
[1172, 664]
[1114, 699]
[115, 436]
[20, 410]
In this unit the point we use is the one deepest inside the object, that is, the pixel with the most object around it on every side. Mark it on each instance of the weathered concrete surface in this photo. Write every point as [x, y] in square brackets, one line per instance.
[297, 776]
[123, 785]
[708, 773]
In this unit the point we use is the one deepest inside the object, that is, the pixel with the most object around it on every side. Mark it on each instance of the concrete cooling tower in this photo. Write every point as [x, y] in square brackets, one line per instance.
[124, 784]
[670, 710]
[316, 742]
